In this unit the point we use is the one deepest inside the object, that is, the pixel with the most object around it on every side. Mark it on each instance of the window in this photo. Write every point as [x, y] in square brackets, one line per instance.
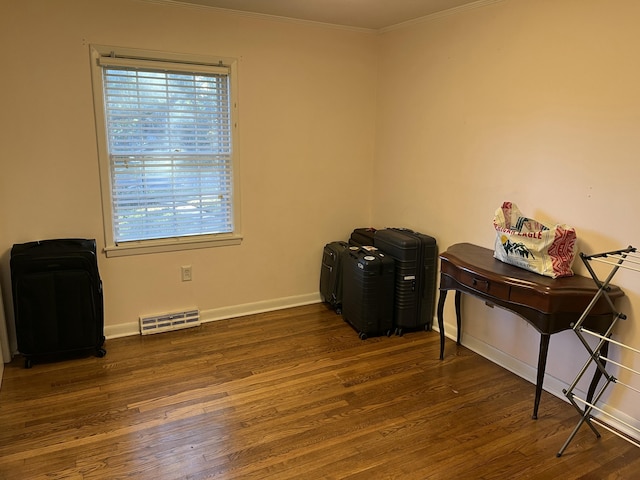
[166, 134]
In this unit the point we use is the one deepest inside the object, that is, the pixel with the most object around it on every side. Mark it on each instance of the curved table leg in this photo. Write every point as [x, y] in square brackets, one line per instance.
[458, 315]
[443, 297]
[441, 300]
[542, 364]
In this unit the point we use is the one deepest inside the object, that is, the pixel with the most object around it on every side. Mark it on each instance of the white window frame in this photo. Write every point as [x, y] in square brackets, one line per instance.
[192, 62]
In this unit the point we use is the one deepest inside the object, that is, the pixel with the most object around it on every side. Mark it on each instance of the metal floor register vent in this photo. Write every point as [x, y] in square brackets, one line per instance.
[169, 321]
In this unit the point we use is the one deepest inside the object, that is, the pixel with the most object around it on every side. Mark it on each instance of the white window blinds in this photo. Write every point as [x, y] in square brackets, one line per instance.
[170, 149]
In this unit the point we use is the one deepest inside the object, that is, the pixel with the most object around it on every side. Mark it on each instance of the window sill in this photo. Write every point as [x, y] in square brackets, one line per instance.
[170, 245]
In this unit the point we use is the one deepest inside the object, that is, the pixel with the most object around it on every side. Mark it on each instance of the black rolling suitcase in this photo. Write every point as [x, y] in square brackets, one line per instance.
[331, 274]
[367, 302]
[57, 299]
[361, 237]
[416, 256]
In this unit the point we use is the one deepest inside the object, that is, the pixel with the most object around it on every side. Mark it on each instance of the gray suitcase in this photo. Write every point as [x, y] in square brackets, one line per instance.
[331, 274]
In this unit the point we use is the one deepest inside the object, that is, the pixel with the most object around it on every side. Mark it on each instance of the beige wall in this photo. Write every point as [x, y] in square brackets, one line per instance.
[429, 126]
[535, 102]
[307, 118]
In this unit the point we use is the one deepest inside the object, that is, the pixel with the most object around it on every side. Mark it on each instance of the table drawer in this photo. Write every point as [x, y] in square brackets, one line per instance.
[484, 285]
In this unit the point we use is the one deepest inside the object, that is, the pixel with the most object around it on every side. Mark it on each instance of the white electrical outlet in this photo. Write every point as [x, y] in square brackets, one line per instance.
[186, 273]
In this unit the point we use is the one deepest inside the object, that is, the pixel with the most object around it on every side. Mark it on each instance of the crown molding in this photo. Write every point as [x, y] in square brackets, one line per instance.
[437, 15]
[278, 18]
[259, 16]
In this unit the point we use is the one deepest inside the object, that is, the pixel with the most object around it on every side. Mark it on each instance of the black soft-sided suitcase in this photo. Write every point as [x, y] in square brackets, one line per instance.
[331, 274]
[416, 256]
[361, 237]
[367, 302]
[57, 299]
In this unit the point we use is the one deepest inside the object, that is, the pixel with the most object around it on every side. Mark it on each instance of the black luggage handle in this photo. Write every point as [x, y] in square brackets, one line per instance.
[354, 251]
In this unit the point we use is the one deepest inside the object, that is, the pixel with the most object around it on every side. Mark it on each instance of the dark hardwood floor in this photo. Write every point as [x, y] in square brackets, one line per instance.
[288, 395]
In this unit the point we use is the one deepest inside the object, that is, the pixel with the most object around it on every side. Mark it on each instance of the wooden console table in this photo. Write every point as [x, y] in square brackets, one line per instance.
[549, 305]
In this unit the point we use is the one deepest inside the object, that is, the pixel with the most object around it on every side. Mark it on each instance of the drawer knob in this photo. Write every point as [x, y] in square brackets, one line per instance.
[485, 282]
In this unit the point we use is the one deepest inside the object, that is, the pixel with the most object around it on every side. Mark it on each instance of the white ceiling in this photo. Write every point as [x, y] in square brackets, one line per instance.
[370, 14]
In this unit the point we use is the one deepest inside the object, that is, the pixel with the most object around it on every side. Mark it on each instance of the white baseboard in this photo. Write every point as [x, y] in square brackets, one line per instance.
[122, 330]
[613, 417]
[222, 313]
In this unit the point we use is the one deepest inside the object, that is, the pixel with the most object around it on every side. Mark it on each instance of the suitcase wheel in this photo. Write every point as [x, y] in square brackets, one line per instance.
[100, 352]
[399, 331]
[362, 336]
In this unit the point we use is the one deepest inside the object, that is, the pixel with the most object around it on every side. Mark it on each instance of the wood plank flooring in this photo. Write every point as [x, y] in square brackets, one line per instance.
[288, 395]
